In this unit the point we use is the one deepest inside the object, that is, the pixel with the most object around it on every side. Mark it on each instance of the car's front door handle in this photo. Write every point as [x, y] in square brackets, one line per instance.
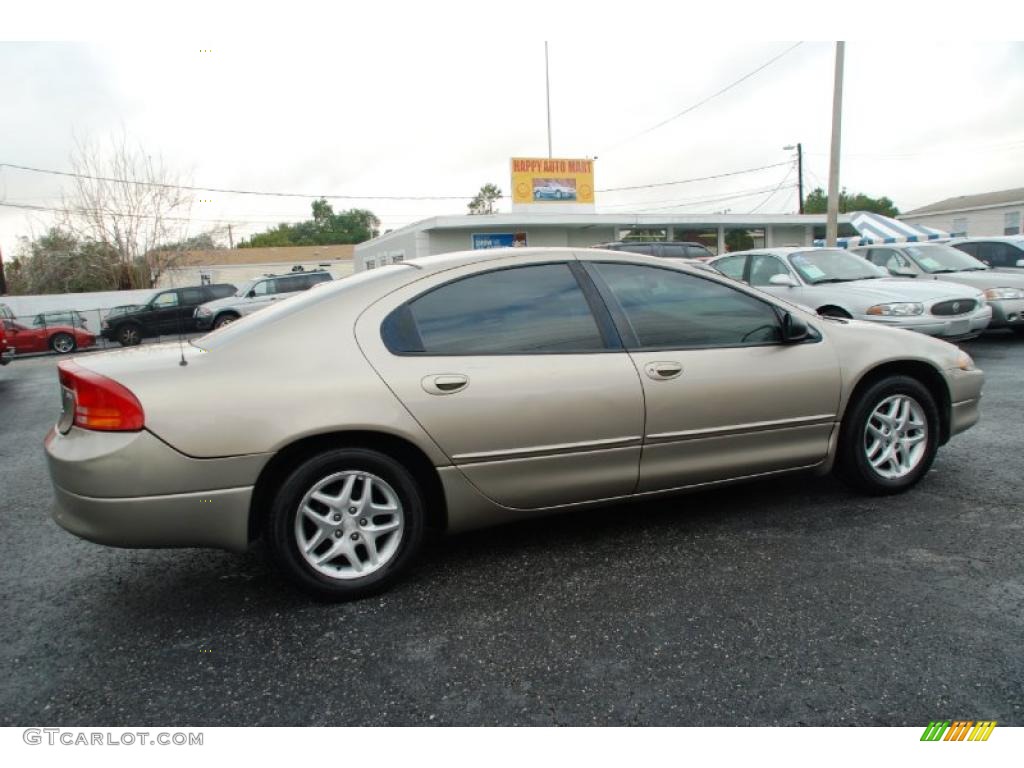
[664, 369]
[444, 383]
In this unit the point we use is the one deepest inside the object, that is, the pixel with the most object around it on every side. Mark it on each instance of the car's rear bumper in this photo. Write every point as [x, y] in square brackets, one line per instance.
[131, 489]
[205, 519]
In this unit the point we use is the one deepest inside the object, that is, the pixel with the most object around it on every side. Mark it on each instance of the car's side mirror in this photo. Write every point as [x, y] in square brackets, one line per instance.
[786, 280]
[794, 328]
[902, 272]
[251, 294]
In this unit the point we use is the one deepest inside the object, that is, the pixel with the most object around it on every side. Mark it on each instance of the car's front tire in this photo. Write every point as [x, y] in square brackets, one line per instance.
[346, 523]
[889, 436]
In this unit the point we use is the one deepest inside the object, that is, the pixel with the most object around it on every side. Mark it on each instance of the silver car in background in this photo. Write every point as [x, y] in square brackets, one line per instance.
[255, 295]
[836, 283]
[1003, 291]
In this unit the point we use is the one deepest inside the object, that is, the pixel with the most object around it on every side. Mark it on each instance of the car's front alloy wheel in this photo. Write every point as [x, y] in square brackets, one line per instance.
[346, 523]
[63, 343]
[889, 436]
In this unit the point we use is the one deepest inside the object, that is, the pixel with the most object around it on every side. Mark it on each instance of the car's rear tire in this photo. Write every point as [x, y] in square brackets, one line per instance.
[888, 437]
[129, 335]
[224, 319]
[346, 523]
[62, 343]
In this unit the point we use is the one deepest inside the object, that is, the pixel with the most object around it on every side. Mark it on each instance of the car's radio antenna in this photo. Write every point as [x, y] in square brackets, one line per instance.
[181, 340]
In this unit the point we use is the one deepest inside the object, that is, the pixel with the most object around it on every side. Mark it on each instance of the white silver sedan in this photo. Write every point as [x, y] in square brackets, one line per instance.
[837, 283]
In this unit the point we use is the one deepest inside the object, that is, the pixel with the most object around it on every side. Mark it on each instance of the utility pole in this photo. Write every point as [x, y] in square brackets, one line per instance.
[547, 89]
[231, 239]
[799, 170]
[800, 173]
[832, 221]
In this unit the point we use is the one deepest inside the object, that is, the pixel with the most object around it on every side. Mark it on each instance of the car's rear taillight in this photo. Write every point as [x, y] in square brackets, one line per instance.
[98, 402]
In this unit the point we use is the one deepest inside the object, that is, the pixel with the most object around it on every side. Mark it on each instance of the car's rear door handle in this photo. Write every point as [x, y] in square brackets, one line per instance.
[444, 383]
[663, 369]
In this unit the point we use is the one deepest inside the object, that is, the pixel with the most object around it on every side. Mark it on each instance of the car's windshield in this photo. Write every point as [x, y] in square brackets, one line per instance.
[830, 265]
[245, 288]
[938, 259]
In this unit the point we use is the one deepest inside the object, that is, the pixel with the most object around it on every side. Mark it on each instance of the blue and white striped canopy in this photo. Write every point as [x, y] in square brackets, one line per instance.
[875, 229]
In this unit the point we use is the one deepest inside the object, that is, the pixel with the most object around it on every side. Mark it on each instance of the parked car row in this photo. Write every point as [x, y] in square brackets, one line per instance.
[926, 287]
[19, 339]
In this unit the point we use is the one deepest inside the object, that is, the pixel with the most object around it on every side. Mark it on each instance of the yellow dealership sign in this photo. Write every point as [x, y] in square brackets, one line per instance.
[547, 180]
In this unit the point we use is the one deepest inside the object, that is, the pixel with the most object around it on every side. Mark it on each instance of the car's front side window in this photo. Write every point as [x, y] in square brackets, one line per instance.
[764, 267]
[537, 309]
[264, 288]
[668, 309]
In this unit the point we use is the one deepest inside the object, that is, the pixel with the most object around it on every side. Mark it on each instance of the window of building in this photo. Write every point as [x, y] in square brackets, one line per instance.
[1011, 223]
[667, 309]
[524, 310]
[644, 233]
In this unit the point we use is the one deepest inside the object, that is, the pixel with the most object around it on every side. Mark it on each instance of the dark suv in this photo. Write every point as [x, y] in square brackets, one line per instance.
[665, 250]
[168, 312]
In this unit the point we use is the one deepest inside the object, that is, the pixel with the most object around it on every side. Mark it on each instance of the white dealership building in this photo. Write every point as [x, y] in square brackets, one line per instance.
[719, 232]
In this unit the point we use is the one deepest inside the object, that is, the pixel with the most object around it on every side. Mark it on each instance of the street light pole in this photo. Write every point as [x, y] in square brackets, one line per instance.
[832, 221]
[799, 171]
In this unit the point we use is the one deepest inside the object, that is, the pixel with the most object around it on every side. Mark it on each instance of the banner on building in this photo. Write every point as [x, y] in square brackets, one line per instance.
[499, 240]
[539, 181]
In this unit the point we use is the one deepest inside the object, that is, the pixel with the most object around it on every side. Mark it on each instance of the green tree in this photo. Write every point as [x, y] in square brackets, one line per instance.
[484, 201]
[59, 262]
[817, 202]
[325, 228]
[738, 240]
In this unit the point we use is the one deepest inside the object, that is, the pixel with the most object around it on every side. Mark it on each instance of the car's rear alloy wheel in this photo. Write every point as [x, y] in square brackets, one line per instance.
[62, 343]
[129, 335]
[346, 523]
[889, 436]
[349, 524]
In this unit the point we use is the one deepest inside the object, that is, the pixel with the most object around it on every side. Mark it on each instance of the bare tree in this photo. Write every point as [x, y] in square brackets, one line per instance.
[129, 201]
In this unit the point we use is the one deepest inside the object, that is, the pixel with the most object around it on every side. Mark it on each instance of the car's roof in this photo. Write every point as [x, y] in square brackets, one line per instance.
[999, 238]
[444, 261]
[785, 250]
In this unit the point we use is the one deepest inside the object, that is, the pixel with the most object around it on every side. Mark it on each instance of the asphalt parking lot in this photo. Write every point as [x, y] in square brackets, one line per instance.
[774, 603]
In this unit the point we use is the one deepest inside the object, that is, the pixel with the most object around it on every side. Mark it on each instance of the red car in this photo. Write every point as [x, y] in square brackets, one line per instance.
[58, 338]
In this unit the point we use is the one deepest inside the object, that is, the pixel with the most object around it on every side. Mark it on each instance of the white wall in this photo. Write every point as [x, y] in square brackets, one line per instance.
[87, 303]
[401, 246]
[236, 274]
[980, 223]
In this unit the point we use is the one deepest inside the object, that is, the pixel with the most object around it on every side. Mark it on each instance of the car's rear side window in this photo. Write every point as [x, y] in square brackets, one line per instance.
[667, 309]
[536, 309]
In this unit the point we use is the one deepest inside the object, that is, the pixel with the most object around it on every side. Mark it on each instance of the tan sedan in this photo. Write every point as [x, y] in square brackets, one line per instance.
[471, 389]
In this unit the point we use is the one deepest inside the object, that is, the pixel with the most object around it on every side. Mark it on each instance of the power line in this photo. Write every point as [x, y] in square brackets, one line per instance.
[722, 199]
[704, 101]
[772, 193]
[357, 197]
[164, 185]
[700, 178]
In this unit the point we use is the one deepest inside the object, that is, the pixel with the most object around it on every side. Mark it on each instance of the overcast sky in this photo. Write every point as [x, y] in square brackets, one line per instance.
[922, 120]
